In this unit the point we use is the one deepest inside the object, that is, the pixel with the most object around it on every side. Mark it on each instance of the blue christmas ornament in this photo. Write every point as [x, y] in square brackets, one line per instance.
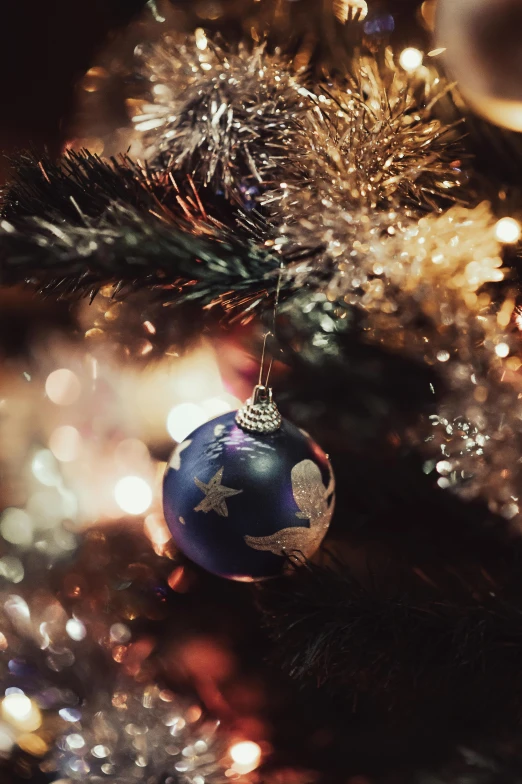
[246, 490]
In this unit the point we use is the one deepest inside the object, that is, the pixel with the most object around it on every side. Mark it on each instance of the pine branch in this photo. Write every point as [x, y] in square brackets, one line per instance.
[416, 655]
[80, 185]
[127, 249]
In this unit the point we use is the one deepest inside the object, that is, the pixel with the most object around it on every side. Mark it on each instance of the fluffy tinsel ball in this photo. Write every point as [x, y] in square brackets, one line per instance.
[226, 118]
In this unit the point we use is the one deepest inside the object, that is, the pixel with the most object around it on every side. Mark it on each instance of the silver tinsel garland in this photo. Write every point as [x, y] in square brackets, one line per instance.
[142, 734]
[228, 119]
[78, 693]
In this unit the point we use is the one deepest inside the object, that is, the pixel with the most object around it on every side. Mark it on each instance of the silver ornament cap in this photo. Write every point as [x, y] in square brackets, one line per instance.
[259, 414]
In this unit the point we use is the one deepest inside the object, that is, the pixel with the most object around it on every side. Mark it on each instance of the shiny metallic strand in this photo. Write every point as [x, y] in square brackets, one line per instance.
[97, 717]
[129, 250]
[372, 142]
[429, 302]
[353, 10]
[325, 147]
[227, 118]
[82, 188]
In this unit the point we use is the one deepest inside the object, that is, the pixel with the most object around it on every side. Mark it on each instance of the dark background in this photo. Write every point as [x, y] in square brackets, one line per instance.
[44, 48]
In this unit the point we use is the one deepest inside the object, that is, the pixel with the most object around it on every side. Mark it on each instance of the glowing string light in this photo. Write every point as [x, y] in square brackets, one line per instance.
[21, 712]
[411, 59]
[133, 495]
[507, 230]
[246, 756]
[183, 419]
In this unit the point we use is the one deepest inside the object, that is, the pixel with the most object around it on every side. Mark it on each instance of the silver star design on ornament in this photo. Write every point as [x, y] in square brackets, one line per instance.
[215, 495]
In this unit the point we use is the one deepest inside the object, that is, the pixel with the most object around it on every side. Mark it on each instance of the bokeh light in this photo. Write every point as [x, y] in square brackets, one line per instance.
[120, 633]
[185, 418]
[12, 569]
[6, 739]
[100, 751]
[428, 11]
[133, 495]
[44, 467]
[32, 744]
[65, 443]
[411, 59]
[507, 230]
[75, 741]
[17, 527]
[350, 9]
[75, 629]
[246, 755]
[21, 712]
[201, 39]
[63, 387]
[18, 610]
[16, 706]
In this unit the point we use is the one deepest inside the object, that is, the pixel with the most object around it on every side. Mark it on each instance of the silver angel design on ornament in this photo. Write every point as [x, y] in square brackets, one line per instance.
[311, 496]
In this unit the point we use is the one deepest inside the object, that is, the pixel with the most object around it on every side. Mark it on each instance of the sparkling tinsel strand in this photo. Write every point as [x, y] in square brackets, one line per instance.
[228, 119]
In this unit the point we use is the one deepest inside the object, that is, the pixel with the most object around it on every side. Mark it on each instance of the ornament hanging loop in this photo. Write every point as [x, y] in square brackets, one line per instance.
[260, 414]
[271, 333]
[260, 382]
[261, 394]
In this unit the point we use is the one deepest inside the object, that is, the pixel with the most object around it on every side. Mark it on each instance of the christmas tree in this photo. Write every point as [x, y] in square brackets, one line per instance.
[315, 206]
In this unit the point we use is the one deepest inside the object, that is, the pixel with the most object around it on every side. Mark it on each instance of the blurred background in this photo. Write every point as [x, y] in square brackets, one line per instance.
[44, 48]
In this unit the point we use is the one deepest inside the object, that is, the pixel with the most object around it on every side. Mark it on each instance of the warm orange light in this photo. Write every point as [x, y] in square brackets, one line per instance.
[157, 531]
[133, 495]
[179, 580]
[507, 230]
[21, 712]
[33, 745]
[355, 10]
[411, 59]
[246, 756]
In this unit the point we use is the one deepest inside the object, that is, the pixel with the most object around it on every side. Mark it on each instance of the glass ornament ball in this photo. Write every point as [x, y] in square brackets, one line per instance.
[481, 49]
[240, 503]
